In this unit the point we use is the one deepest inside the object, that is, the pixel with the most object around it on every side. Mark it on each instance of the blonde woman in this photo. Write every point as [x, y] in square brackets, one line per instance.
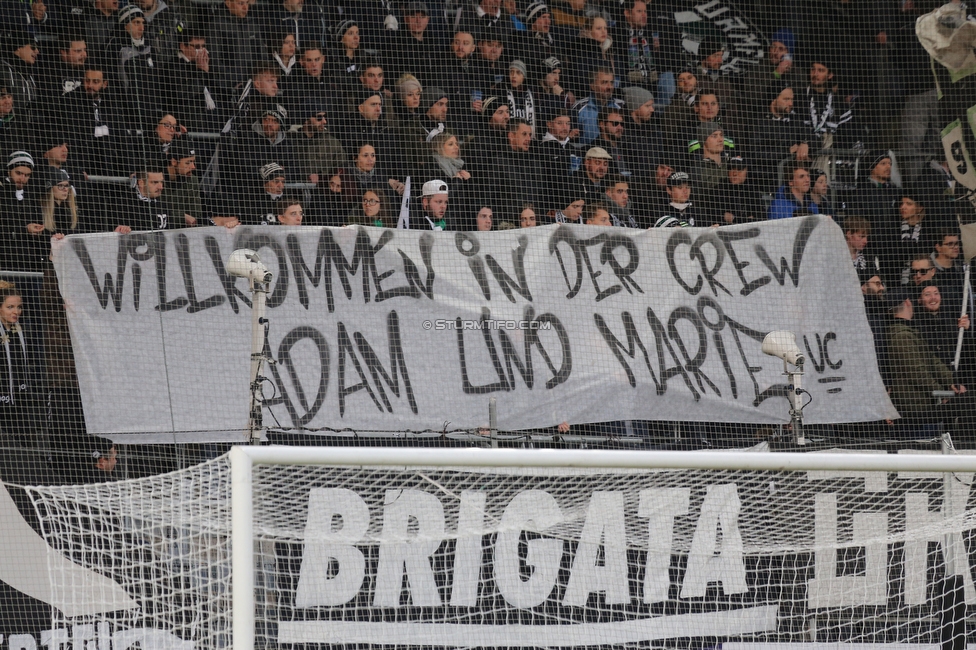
[447, 155]
[446, 152]
[406, 106]
[59, 208]
[58, 217]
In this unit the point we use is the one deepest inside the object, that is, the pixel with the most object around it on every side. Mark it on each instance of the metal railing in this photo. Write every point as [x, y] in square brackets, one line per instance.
[853, 158]
[126, 180]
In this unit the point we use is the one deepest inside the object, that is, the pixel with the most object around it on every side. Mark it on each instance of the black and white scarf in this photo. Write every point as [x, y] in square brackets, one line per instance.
[827, 119]
[10, 353]
[639, 53]
[286, 66]
[910, 232]
[545, 37]
[523, 109]
[433, 131]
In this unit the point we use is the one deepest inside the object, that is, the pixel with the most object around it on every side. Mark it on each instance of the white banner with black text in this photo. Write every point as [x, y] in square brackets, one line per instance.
[399, 330]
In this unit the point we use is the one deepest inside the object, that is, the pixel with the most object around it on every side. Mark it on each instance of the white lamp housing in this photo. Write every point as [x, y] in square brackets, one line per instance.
[245, 263]
[782, 344]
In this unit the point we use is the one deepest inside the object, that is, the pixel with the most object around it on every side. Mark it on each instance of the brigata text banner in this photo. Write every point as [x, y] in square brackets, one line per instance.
[409, 330]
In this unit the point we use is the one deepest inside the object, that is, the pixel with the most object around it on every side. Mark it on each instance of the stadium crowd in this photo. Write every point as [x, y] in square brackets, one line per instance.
[477, 116]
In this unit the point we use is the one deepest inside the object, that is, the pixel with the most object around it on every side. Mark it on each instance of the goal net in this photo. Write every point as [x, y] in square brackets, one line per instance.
[507, 556]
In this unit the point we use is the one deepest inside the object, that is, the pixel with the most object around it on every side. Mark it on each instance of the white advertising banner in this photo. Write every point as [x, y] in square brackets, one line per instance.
[396, 330]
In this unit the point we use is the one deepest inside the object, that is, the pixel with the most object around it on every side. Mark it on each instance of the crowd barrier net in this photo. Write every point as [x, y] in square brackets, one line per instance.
[558, 207]
[506, 224]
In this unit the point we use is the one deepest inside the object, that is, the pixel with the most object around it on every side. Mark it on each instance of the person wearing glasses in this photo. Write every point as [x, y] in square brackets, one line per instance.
[911, 236]
[610, 122]
[922, 269]
[158, 141]
[373, 210]
[190, 85]
[949, 272]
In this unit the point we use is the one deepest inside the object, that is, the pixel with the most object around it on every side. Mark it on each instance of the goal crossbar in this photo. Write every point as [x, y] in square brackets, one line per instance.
[718, 460]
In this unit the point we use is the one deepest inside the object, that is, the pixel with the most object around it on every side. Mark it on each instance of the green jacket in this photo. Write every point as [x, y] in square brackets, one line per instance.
[181, 197]
[915, 372]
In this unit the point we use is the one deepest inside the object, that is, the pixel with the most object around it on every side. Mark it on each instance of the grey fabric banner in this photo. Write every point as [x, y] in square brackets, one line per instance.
[393, 330]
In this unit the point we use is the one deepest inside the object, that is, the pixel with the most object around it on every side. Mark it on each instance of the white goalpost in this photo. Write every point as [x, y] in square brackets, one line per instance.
[433, 548]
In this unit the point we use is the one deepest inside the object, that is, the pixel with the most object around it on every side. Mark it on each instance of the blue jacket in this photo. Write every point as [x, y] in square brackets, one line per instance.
[587, 111]
[785, 204]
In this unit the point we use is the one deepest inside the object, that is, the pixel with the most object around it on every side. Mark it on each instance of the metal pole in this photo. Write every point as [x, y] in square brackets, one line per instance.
[796, 402]
[242, 550]
[951, 597]
[965, 306]
[259, 296]
[794, 394]
[947, 449]
[493, 420]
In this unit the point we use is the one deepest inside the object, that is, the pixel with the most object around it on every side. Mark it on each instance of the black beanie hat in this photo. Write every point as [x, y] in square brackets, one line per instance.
[430, 96]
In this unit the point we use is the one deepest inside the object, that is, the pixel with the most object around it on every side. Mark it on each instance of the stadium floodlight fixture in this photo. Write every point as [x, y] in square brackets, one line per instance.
[782, 345]
[245, 263]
